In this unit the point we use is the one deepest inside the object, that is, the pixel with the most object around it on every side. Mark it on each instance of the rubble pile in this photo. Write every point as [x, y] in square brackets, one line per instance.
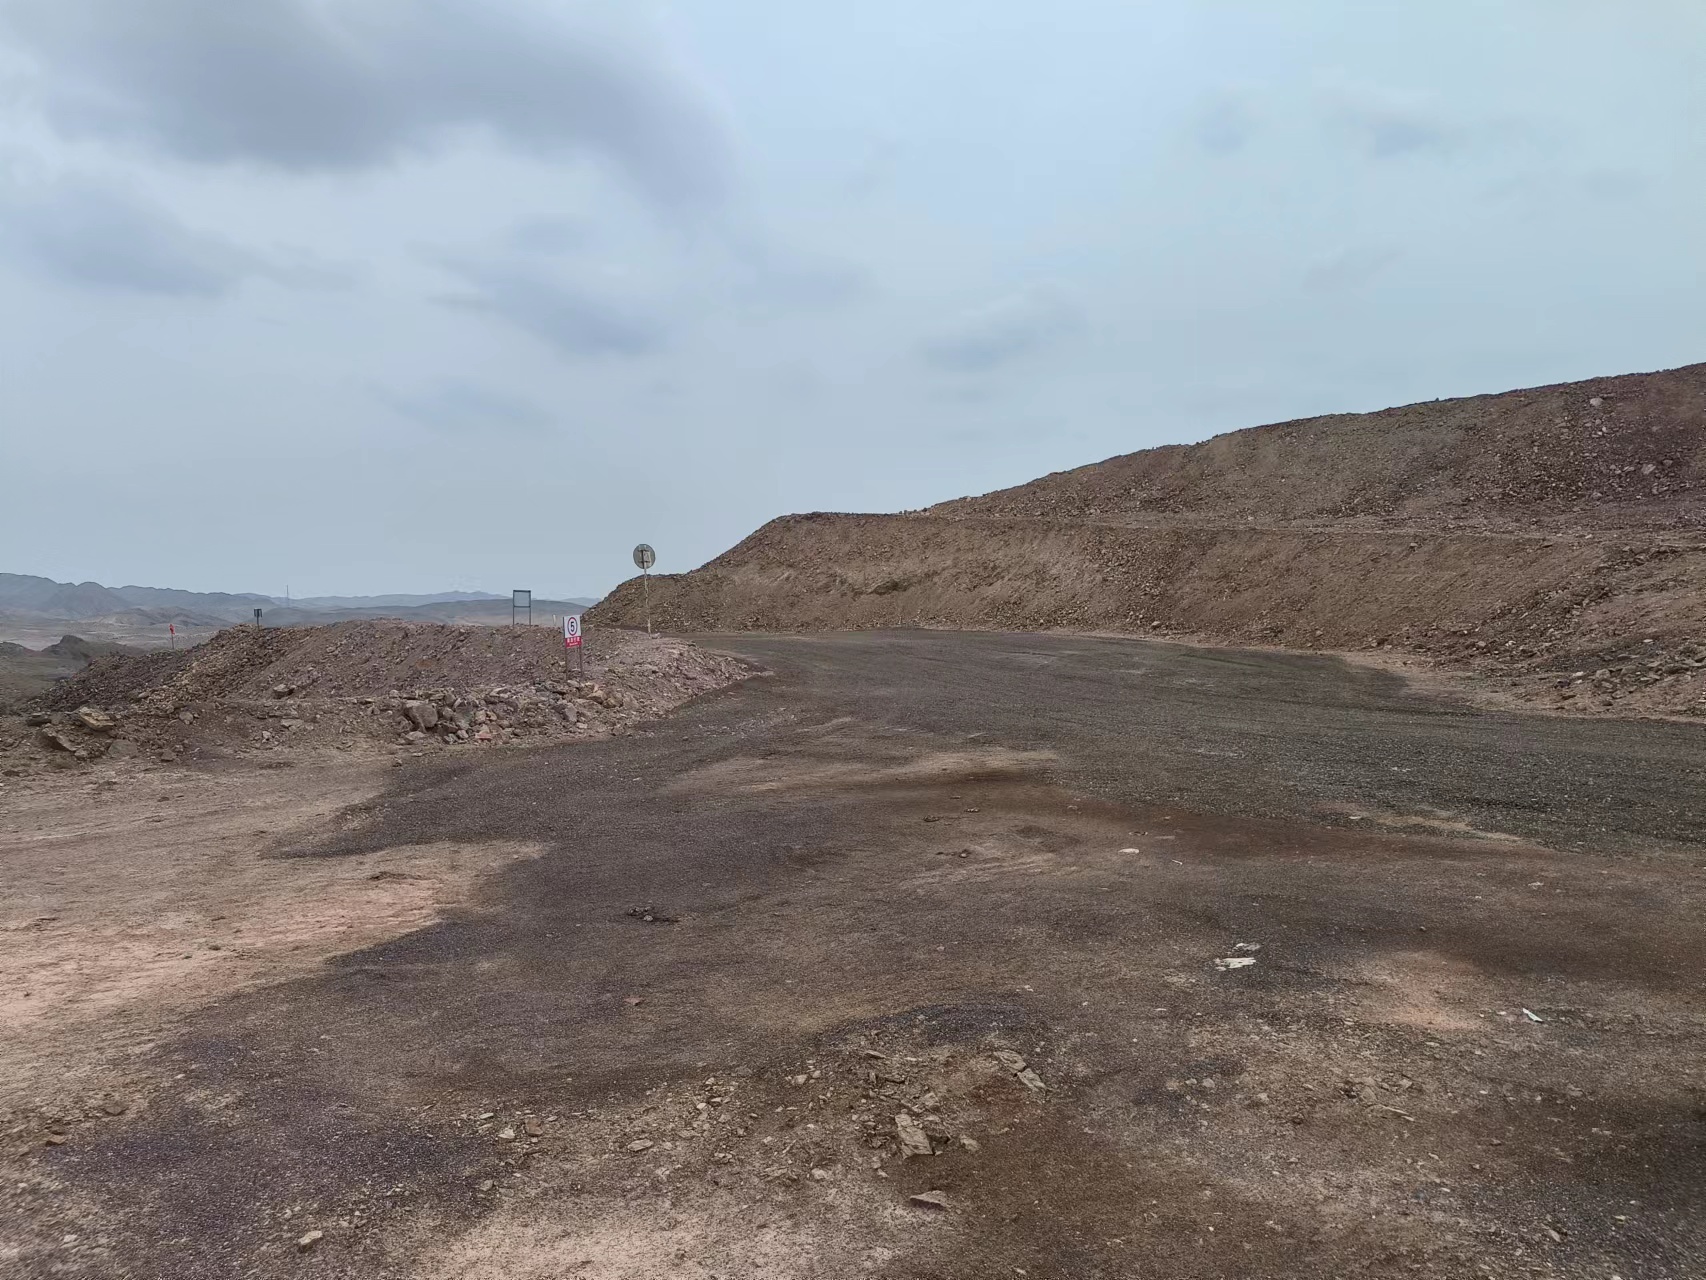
[363, 687]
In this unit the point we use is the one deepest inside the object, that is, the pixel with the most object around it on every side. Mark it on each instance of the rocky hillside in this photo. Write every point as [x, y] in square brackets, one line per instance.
[1553, 538]
[1625, 452]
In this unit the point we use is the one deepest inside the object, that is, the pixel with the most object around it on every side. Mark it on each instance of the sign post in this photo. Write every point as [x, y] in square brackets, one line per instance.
[519, 600]
[645, 558]
[572, 640]
[172, 627]
[257, 619]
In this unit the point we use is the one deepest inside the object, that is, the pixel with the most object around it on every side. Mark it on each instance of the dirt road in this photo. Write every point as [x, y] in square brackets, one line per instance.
[651, 1006]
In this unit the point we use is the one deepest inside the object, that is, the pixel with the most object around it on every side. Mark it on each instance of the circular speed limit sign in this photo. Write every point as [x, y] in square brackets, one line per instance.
[644, 557]
[571, 631]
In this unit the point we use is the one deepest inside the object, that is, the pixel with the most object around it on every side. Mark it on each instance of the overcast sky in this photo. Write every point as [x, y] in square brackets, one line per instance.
[391, 295]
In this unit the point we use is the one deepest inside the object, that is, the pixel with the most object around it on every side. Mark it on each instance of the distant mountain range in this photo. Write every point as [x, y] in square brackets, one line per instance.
[24, 593]
[383, 602]
[43, 597]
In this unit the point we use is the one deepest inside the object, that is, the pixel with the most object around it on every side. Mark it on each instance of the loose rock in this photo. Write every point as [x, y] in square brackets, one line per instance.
[913, 1140]
[54, 740]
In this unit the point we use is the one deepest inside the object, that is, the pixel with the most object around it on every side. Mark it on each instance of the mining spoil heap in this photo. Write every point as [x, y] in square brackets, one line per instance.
[362, 688]
[1552, 539]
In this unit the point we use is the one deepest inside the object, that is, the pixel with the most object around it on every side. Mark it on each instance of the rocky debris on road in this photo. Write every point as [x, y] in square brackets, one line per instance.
[888, 1125]
[1021, 1071]
[913, 1140]
[850, 1113]
[56, 740]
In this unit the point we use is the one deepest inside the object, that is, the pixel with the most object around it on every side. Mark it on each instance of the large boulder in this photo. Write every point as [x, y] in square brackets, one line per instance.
[423, 715]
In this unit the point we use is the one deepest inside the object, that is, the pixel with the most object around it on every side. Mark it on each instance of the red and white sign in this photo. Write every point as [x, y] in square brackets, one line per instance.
[571, 631]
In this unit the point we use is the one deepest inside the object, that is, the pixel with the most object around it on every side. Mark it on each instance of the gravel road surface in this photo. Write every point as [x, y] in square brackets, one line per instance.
[1162, 962]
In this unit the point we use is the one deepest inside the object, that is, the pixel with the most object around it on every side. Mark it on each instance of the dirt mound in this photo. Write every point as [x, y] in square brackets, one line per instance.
[1612, 452]
[361, 685]
[77, 649]
[1551, 538]
[26, 673]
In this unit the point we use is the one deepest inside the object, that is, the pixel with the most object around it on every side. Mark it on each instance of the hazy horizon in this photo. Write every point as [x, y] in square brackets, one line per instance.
[384, 295]
[295, 600]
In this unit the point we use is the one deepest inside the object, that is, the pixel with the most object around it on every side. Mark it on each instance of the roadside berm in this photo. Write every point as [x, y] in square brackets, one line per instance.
[363, 688]
[1552, 541]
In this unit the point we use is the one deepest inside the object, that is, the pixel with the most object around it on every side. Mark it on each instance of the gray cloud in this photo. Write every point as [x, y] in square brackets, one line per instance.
[1225, 125]
[1385, 124]
[303, 85]
[1006, 330]
[574, 320]
[103, 238]
[550, 236]
[1349, 268]
[459, 407]
[777, 274]
[875, 171]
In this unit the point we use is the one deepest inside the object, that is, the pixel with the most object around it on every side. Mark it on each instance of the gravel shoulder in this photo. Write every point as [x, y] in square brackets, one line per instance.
[679, 1002]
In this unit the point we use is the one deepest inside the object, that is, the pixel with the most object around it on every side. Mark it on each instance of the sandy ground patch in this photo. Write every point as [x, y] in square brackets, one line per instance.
[135, 896]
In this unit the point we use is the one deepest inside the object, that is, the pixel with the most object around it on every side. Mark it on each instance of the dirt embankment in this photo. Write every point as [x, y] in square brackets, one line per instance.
[1609, 453]
[360, 687]
[1552, 538]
